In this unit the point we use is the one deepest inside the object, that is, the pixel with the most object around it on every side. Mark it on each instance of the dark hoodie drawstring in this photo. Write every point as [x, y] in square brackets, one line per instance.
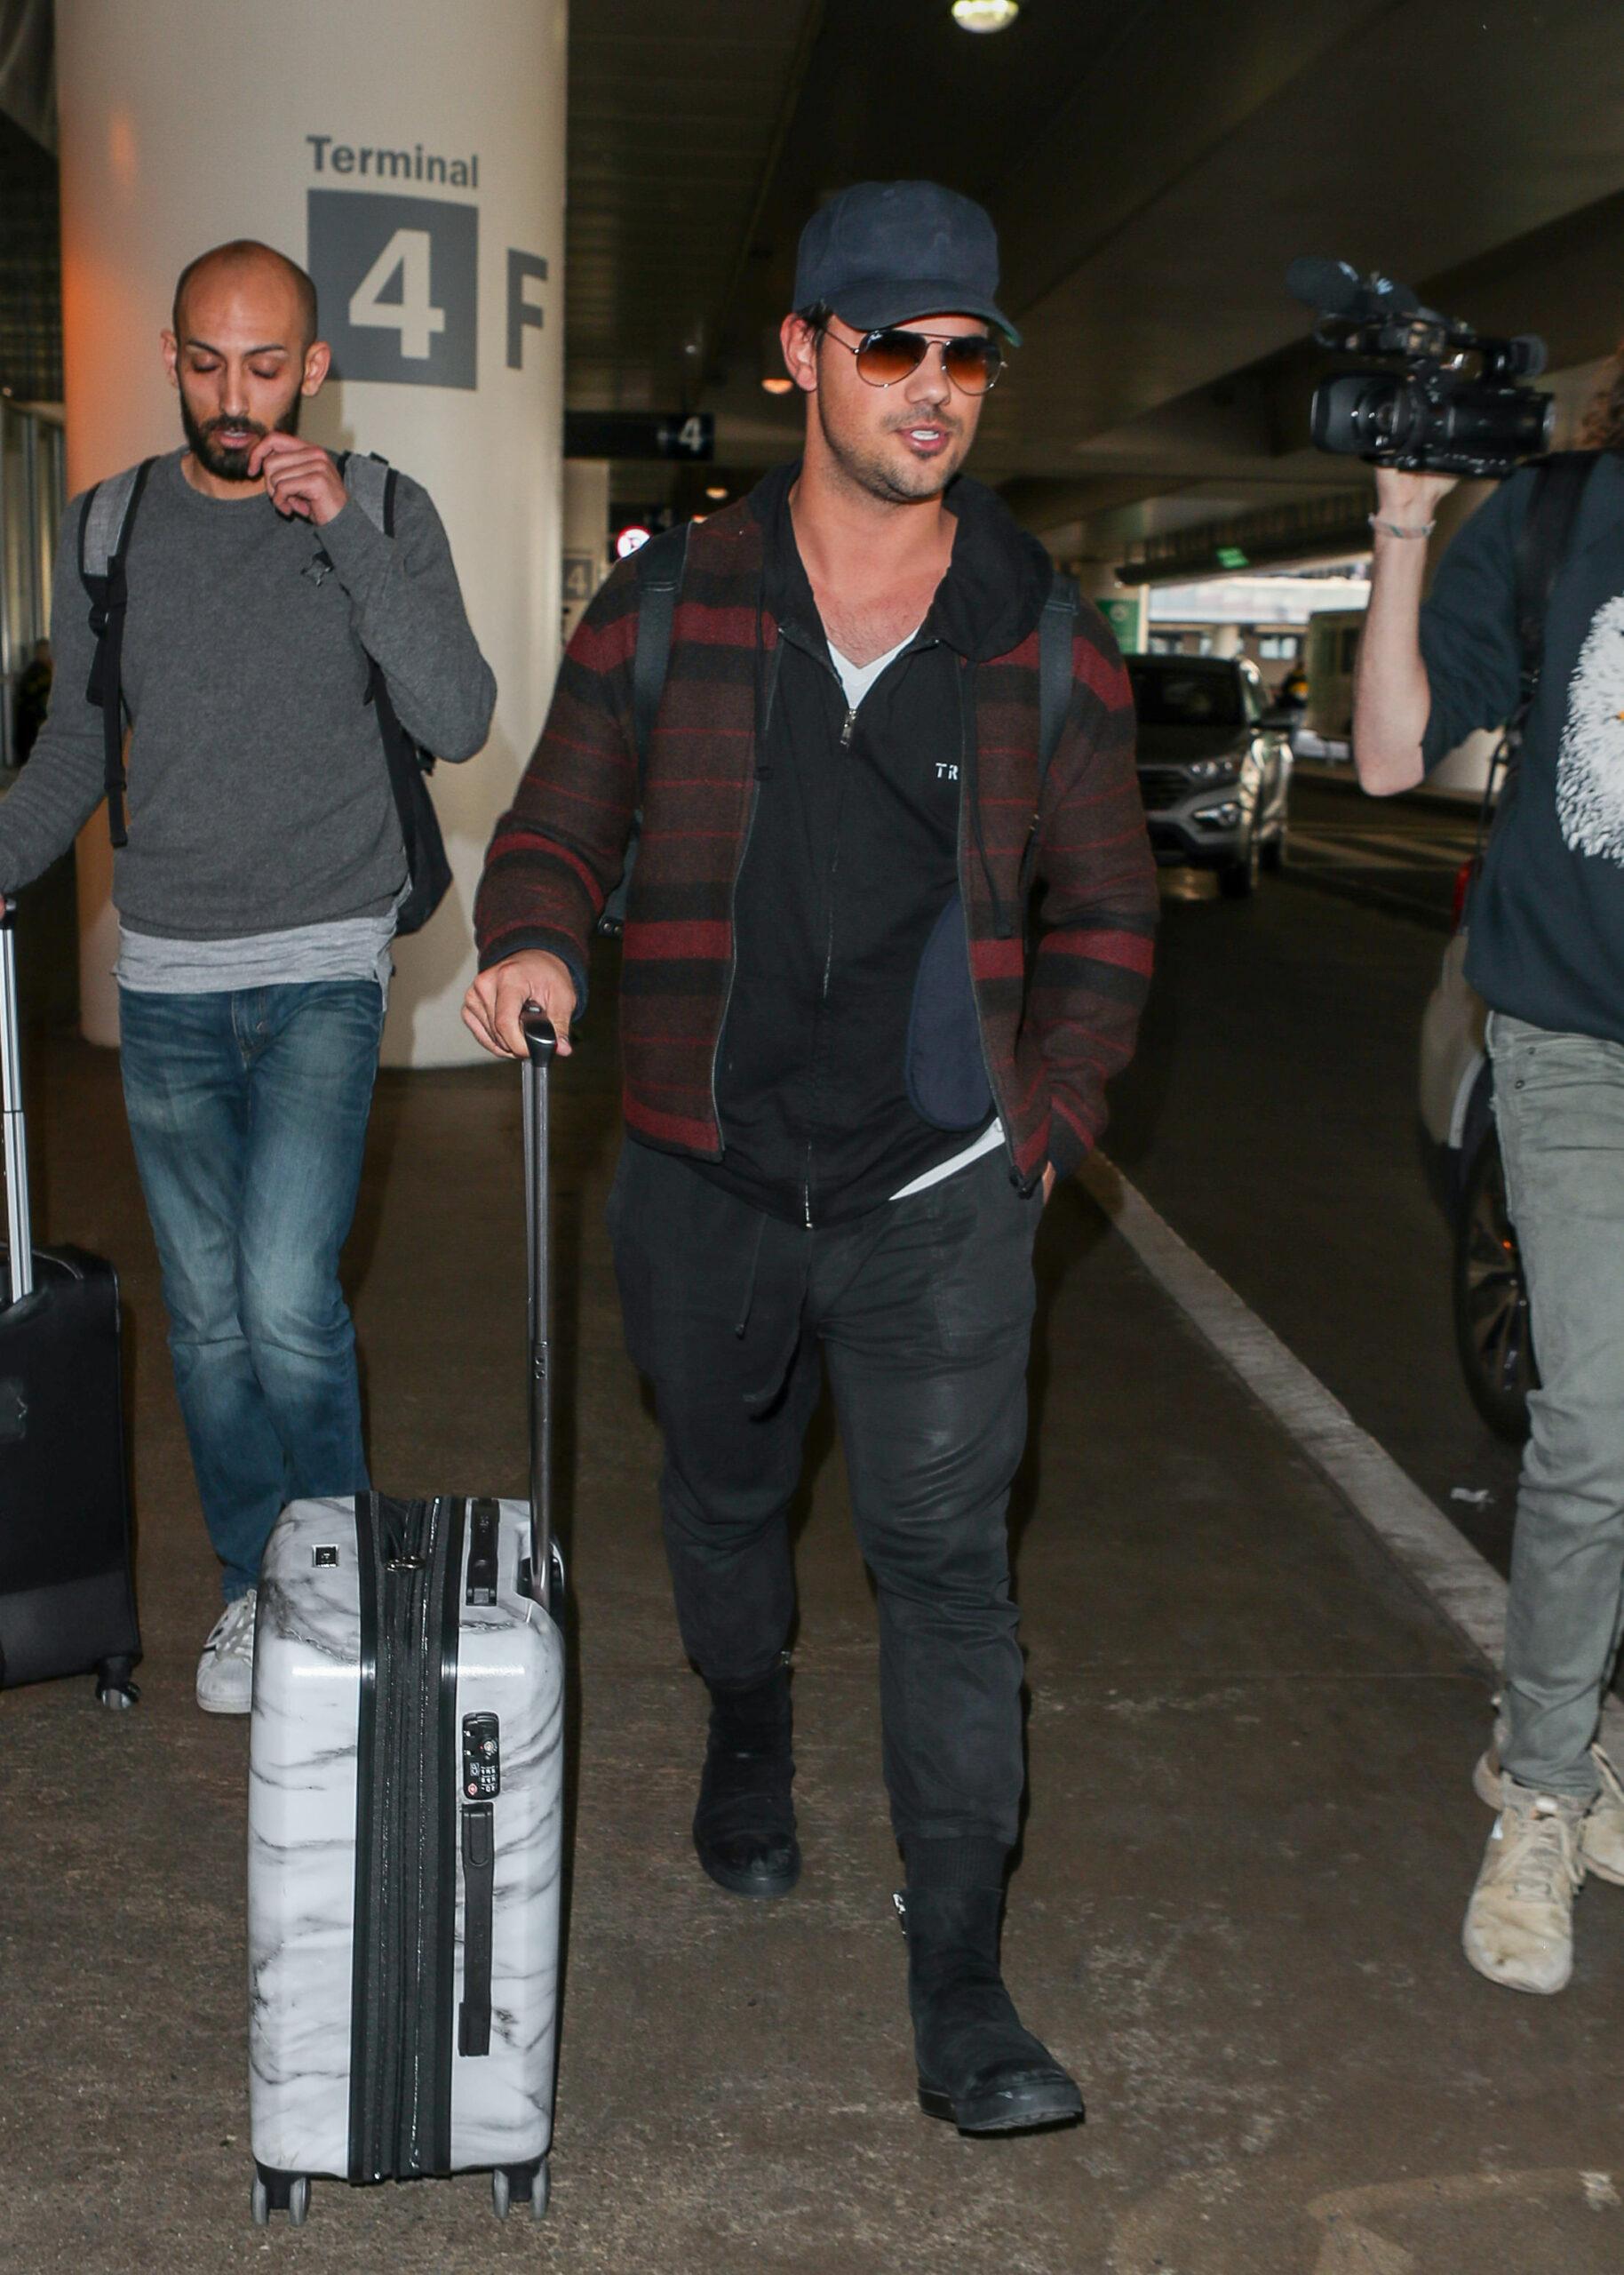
[969, 778]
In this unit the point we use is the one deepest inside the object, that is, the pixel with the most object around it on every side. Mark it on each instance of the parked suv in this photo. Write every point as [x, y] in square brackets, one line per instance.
[1492, 1330]
[1215, 765]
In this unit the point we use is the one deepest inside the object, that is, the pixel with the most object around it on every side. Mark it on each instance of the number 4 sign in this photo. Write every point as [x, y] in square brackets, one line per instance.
[397, 282]
[410, 312]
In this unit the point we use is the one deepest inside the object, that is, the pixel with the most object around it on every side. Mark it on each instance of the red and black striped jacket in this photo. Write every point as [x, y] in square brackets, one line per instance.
[1058, 1013]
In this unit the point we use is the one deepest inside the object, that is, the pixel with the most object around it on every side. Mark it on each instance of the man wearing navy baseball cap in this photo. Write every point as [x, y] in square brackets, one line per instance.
[880, 733]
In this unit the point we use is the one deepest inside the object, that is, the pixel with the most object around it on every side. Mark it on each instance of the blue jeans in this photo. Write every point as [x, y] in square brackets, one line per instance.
[1559, 1103]
[248, 1110]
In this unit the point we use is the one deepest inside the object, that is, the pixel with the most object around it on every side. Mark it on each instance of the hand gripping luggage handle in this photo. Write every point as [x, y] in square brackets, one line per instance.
[18, 1230]
[542, 1041]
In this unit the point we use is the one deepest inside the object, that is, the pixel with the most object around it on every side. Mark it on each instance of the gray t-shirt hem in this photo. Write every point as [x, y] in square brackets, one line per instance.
[352, 947]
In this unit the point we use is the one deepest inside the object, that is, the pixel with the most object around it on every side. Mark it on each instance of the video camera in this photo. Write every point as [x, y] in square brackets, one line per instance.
[1452, 405]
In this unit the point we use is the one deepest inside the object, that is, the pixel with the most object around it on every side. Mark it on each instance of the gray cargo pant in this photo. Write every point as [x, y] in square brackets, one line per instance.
[1559, 1103]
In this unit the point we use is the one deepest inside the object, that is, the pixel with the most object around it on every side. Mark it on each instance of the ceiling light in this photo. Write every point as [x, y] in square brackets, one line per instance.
[778, 383]
[716, 491]
[986, 15]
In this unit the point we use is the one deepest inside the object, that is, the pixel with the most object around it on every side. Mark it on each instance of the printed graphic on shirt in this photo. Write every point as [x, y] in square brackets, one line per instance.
[1590, 762]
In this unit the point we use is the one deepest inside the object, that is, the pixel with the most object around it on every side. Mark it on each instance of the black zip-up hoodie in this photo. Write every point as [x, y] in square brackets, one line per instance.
[851, 1059]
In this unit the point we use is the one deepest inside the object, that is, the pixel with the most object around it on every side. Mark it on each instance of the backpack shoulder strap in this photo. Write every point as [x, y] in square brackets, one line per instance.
[1055, 631]
[104, 520]
[370, 481]
[1055, 627]
[658, 570]
[1541, 546]
[106, 525]
[660, 566]
[660, 580]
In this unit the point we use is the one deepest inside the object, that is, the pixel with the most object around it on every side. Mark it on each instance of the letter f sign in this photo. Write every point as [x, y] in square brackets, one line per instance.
[522, 269]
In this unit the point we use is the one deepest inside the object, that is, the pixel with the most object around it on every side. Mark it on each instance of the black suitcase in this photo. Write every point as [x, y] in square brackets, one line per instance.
[66, 1594]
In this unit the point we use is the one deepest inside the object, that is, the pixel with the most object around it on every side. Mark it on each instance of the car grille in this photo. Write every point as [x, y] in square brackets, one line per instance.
[1163, 786]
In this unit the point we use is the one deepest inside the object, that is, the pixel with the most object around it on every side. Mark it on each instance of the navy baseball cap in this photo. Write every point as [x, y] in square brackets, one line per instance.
[883, 252]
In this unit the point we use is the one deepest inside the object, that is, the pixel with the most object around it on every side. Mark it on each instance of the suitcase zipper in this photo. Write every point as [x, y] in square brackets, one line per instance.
[406, 1827]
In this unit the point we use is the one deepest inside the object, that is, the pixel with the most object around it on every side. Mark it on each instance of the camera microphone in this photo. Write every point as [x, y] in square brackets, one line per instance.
[1335, 287]
[1330, 286]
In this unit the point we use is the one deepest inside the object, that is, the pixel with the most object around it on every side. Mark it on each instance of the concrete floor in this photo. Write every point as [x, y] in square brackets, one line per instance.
[1271, 1115]
[1250, 1836]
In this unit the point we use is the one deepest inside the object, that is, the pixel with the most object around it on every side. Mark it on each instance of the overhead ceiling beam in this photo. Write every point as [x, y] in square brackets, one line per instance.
[1177, 85]
[811, 25]
[1299, 532]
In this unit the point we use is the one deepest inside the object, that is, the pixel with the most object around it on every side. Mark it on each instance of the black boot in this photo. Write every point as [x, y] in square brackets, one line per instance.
[744, 1826]
[978, 2068]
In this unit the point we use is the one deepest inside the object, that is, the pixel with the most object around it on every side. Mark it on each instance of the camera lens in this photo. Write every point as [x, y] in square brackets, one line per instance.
[1356, 412]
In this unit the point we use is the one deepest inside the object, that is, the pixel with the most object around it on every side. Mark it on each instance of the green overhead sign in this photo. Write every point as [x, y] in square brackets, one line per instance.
[1125, 612]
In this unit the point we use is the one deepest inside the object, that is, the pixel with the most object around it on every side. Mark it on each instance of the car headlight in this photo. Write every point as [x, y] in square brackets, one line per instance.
[1214, 769]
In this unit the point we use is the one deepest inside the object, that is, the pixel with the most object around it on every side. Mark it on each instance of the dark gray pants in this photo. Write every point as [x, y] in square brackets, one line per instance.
[923, 1309]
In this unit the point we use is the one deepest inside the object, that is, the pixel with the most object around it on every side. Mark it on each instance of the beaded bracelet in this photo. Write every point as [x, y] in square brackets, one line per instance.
[1396, 529]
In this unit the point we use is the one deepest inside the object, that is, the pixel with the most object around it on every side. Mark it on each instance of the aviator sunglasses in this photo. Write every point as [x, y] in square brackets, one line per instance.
[972, 362]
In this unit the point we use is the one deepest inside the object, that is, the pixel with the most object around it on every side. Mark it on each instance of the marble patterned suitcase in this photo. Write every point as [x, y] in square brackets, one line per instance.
[406, 1820]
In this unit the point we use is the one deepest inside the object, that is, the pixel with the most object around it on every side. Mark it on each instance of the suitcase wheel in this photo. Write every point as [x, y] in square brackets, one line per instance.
[280, 2191]
[114, 1688]
[522, 2183]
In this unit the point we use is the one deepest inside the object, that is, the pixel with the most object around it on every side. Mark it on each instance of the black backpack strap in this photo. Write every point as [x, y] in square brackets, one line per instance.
[106, 522]
[1055, 628]
[1542, 548]
[659, 567]
[371, 482]
[1054, 634]
[660, 580]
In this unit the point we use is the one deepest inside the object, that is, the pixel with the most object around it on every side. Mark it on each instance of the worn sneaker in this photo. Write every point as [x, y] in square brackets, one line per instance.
[226, 1671]
[1519, 1924]
[1601, 1840]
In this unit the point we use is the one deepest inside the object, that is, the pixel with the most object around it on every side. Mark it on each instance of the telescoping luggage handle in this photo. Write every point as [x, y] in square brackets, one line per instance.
[19, 1229]
[542, 1040]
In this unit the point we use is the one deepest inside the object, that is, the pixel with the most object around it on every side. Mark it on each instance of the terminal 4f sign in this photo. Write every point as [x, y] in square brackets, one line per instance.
[397, 276]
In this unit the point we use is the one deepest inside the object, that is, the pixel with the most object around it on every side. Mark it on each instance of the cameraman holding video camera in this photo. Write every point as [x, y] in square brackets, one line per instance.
[1527, 612]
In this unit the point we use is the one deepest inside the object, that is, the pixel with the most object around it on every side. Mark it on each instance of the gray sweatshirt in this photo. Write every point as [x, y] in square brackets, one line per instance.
[258, 796]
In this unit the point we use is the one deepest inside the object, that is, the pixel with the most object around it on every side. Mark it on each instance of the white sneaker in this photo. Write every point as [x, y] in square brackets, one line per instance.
[226, 1671]
[1601, 1840]
[1519, 1924]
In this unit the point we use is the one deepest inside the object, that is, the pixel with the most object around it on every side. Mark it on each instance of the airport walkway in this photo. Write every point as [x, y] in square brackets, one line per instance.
[1250, 1840]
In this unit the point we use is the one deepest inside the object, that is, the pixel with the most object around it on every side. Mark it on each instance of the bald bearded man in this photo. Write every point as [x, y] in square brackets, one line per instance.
[258, 890]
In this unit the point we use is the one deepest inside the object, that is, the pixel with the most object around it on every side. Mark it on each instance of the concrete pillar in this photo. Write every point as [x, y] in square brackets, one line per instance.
[359, 139]
[586, 535]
